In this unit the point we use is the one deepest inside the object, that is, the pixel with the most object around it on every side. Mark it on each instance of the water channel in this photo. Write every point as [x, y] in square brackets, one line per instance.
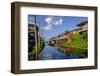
[50, 52]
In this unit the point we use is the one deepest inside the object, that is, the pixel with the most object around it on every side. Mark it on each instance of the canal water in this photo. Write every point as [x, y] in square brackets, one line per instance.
[50, 52]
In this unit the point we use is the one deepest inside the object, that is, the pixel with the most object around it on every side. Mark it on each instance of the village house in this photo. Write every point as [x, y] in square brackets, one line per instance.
[31, 35]
[83, 26]
[66, 36]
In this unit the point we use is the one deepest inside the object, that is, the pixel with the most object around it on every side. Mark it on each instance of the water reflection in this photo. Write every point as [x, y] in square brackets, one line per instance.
[47, 56]
[50, 52]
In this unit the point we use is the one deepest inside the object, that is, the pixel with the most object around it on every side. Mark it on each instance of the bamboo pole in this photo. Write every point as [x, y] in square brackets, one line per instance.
[36, 38]
[39, 35]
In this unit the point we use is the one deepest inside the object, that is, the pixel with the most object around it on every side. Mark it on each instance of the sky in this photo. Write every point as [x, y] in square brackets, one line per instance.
[51, 26]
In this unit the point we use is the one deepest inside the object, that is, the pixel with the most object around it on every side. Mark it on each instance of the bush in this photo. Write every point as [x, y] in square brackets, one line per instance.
[78, 41]
[85, 36]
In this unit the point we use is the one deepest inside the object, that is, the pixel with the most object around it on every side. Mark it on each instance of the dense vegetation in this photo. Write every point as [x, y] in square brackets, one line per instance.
[78, 45]
[32, 54]
[78, 41]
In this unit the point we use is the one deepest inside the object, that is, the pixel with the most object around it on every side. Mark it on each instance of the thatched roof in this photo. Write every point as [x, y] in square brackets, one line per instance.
[82, 23]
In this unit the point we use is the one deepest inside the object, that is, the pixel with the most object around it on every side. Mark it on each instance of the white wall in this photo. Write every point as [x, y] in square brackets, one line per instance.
[5, 42]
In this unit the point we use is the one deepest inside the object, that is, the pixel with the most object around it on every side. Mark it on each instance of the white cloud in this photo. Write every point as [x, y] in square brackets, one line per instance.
[48, 20]
[52, 21]
[48, 27]
[49, 23]
[58, 22]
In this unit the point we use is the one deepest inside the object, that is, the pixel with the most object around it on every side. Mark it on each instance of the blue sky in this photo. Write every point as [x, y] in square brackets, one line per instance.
[51, 26]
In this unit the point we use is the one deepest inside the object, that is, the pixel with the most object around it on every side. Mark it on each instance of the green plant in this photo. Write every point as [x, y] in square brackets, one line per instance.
[78, 41]
[85, 36]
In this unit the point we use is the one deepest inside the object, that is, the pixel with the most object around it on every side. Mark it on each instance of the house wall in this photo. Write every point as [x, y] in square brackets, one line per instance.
[85, 27]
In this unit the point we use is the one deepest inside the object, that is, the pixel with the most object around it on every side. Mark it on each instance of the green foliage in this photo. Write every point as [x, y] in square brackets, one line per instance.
[78, 44]
[85, 36]
[78, 41]
[32, 54]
